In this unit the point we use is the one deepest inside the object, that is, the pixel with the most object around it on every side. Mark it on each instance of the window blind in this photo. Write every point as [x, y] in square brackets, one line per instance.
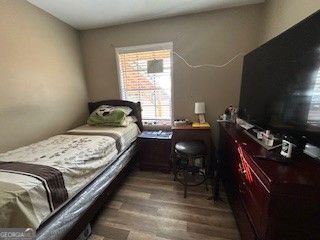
[152, 89]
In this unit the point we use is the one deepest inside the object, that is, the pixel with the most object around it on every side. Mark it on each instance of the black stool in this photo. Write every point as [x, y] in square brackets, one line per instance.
[187, 153]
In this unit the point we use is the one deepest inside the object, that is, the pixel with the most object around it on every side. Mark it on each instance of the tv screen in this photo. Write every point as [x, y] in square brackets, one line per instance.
[280, 87]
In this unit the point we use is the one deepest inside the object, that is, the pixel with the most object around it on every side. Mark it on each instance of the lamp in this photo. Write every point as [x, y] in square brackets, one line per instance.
[200, 110]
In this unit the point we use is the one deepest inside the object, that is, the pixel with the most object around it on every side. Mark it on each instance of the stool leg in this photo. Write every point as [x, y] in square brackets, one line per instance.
[205, 174]
[186, 177]
[206, 182]
[185, 182]
[175, 168]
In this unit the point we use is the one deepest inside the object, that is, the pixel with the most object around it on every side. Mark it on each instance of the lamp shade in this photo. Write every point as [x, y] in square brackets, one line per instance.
[199, 108]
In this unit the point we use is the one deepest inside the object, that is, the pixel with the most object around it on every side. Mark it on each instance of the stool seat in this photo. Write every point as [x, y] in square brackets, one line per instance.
[191, 148]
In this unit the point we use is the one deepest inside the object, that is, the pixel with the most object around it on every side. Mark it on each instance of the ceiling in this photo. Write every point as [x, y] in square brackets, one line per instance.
[87, 14]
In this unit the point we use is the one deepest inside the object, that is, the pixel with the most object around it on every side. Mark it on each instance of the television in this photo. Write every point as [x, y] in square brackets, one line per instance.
[280, 87]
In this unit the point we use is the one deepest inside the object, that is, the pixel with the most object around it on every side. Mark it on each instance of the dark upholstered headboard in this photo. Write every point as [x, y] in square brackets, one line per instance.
[136, 108]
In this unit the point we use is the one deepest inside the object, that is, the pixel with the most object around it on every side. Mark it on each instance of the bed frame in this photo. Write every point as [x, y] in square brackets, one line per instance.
[91, 212]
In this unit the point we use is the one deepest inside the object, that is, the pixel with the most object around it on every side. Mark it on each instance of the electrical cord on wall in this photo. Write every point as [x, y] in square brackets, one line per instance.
[240, 54]
[208, 65]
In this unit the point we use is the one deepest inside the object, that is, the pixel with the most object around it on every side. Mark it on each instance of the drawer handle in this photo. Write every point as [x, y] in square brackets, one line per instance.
[241, 170]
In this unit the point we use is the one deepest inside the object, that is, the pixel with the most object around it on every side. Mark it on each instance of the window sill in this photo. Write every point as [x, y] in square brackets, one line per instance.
[155, 127]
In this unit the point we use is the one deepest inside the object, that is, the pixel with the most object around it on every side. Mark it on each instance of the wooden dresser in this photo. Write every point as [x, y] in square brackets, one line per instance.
[270, 200]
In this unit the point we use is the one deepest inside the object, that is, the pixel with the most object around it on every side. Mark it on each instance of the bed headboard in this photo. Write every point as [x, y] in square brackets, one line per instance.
[136, 108]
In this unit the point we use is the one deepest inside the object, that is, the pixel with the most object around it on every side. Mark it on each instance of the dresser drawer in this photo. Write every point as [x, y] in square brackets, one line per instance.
[255, 196]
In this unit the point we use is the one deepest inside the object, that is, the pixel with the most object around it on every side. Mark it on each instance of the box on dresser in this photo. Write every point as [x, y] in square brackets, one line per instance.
[270, 200]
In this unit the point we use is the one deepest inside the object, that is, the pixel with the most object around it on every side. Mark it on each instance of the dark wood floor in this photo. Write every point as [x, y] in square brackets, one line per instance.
[151, 206]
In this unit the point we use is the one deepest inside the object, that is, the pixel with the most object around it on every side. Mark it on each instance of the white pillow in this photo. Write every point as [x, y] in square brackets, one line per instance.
[103, 109]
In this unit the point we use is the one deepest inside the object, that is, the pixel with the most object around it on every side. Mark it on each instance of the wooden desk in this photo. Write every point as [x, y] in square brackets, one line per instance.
[189, 133]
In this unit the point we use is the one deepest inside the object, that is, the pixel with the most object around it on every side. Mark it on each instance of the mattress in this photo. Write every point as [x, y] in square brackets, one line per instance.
[123, 136]
[36, 180]
[72, 212]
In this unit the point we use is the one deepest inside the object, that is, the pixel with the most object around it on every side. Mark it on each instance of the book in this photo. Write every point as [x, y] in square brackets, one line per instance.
[200, 125]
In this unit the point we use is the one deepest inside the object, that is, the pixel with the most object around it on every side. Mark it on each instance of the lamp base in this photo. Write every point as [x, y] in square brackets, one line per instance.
[201, 118]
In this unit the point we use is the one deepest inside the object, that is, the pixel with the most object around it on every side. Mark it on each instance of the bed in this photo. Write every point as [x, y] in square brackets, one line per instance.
[57, 185]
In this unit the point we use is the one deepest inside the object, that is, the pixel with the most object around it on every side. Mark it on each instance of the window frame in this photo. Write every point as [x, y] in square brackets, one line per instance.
[143, 48]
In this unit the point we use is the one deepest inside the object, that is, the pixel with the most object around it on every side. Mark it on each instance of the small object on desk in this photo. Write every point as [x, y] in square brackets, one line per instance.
[180, 122]
[231, 113]
[200, 125]
[312, 151]
[224, 117]
[259, 135]
[267, 138]
[221, 120]
[286, 149]
[268, 141]
[242, 123]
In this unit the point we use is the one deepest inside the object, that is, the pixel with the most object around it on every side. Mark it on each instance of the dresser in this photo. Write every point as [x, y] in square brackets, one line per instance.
[270, 200]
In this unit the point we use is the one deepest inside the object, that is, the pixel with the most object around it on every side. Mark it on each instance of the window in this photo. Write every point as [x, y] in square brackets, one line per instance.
[145, 76]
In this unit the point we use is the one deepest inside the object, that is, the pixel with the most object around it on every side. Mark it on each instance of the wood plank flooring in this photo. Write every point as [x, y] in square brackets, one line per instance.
[150, 206]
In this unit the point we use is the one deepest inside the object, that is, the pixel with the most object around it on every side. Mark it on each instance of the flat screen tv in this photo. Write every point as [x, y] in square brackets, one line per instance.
[280, 87]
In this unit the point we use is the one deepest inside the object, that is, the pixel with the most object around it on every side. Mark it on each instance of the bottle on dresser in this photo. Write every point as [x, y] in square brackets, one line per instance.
[267, 138]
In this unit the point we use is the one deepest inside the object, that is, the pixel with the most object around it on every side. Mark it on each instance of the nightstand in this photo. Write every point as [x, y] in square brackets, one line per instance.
[155, 150]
